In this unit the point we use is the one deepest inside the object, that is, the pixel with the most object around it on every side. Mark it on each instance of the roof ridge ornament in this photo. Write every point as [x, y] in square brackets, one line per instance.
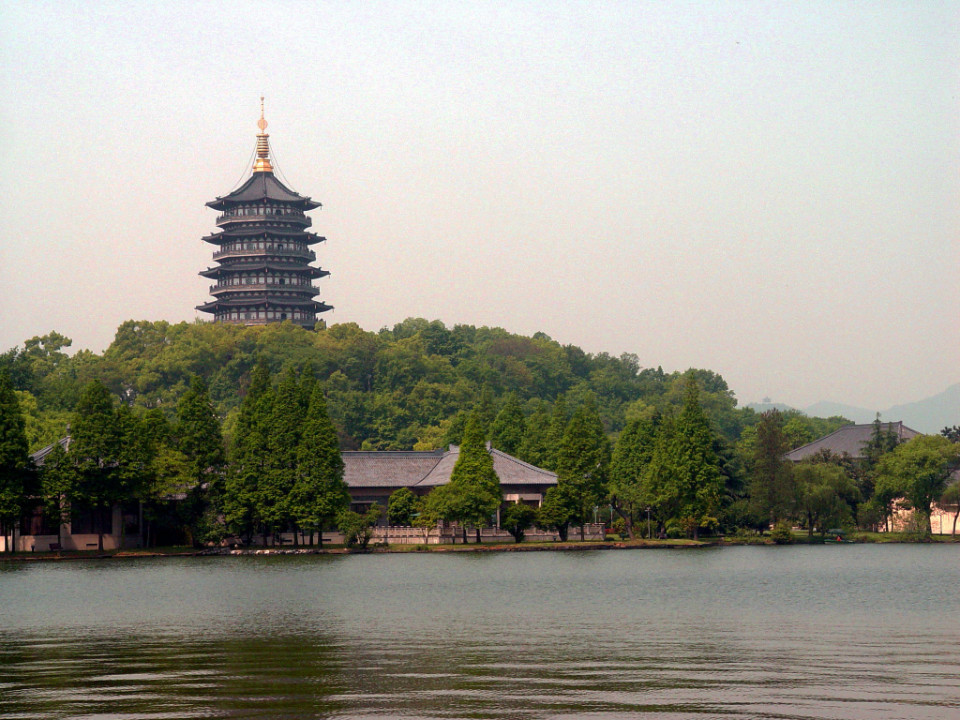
[262, 163]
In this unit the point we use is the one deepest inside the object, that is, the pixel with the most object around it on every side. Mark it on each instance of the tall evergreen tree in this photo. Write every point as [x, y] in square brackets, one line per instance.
[772, 491]
[473, 482]
[485, 410]
[509, 426]
[628, 466]
[95, 450]
[583, 462]
[249, 456]
[57, 477]
[559, 419]
[14, 459]
[198, 431]
[534, 448]
[695, 465]
[199, 439]
[285, 424]
[319, 493]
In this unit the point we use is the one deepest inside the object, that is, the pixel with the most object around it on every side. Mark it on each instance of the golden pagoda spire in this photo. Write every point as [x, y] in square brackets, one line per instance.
[262, 163]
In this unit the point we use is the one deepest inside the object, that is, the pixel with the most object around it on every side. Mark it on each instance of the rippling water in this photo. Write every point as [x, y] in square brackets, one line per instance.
[843, 632]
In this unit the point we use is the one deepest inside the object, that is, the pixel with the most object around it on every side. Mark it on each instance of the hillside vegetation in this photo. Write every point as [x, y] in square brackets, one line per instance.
[401, 388]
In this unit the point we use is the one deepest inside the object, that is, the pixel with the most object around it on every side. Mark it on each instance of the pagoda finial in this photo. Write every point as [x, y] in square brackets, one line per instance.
[262, 163]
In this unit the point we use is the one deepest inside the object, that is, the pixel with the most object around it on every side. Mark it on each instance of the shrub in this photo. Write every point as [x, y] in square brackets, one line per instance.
[782, 533]
[517, 519]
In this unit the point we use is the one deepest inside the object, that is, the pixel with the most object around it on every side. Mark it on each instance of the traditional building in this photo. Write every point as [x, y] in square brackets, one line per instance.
[264, 273]
[372, 476]
[850, 440]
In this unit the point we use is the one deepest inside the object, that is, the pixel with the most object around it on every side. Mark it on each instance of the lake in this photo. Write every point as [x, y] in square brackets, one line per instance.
[838, 631]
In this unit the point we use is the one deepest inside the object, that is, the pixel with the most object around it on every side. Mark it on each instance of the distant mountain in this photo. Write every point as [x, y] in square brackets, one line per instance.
[929, 416]
[851, 412]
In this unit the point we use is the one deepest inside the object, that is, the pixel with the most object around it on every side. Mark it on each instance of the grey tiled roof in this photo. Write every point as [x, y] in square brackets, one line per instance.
[388, 468]
[429, 469]
[40, 455]
[849, 439]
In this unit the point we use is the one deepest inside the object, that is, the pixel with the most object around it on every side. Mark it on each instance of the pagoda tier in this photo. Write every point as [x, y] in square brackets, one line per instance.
[264, 273]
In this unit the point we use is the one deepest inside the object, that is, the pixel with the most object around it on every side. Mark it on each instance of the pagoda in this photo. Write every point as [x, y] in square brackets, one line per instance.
[263, 251]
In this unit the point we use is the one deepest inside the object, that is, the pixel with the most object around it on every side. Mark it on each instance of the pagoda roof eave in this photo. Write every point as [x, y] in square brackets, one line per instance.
[309, 237]
[263, 186]
[214, 272]
[255, 302]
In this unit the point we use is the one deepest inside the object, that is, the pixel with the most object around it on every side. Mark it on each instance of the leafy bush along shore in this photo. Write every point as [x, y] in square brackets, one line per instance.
[243, 425]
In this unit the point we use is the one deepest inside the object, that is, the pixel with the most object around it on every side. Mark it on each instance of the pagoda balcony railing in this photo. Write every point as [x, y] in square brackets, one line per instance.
[309, 255]
[306, 322]
[299, 218]
[261, 287]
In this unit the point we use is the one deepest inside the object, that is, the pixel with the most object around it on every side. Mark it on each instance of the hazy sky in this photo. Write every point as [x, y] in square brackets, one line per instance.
[771, 191]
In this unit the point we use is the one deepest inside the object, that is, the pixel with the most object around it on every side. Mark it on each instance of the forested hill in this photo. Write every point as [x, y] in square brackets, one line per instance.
[400, 388]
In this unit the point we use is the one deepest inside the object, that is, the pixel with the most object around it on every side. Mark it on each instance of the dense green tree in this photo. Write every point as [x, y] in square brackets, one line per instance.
[509, 426]
[249, 456]
[474, 485]
[14, 460]
[57, 477]
[583, 462]
[920, 468]
[517, 519]
[628, 467]
[559, 419]
[684, 479]
[823, 496]
[771, 479]
[357, 528]
[950, 501]
[198, 432]
[535, 446]
[556, 511]
[285, 423]
[199, 439]
[95, 448]
[402, 507]
[320, 493]
[696, 464]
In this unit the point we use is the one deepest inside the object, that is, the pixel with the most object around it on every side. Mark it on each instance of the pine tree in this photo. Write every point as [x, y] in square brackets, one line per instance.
[14, 459]
[474, 483]
[319, 493]
[509, 426]
[583, 462]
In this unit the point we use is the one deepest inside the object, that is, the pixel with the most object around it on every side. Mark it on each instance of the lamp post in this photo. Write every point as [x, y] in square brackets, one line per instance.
[648, 523]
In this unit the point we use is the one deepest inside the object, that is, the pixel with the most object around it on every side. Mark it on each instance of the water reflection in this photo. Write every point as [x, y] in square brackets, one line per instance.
[736, 633]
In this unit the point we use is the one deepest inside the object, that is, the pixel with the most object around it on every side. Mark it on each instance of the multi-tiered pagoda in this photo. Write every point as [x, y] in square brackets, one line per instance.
[264, 273]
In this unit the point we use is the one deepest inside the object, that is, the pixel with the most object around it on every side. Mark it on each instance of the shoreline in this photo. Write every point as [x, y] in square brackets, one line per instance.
[676, 544]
